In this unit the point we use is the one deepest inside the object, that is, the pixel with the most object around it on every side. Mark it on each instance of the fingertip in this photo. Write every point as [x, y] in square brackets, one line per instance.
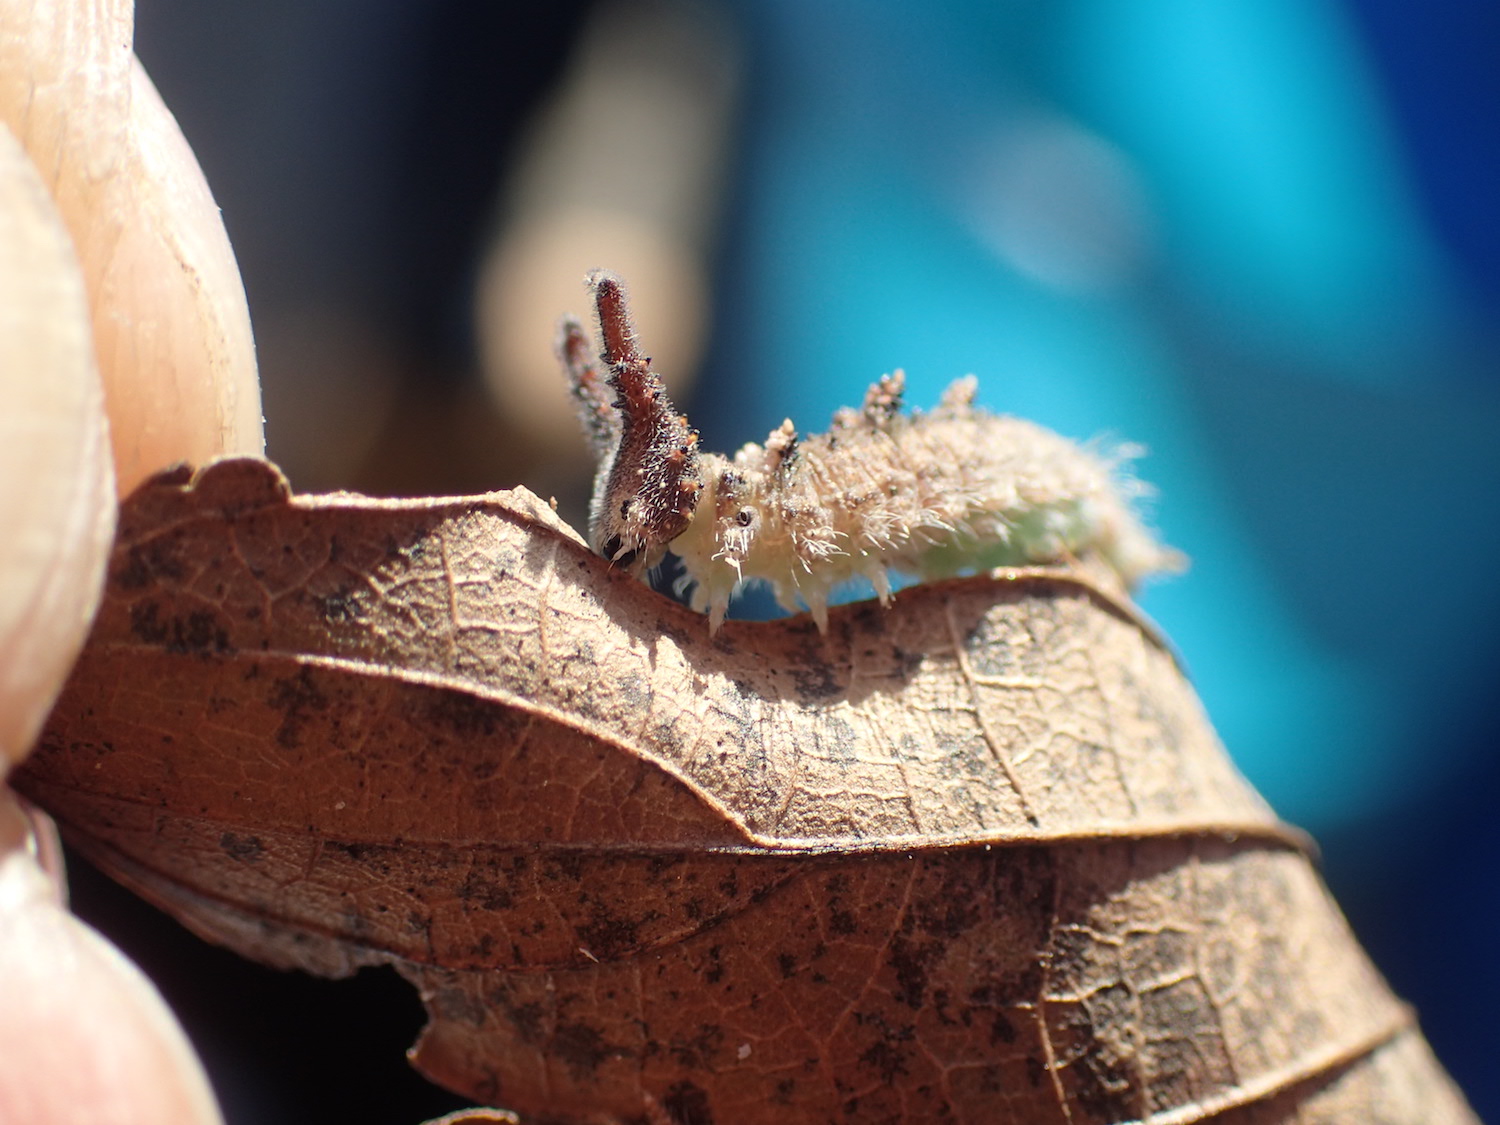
[85, 1036]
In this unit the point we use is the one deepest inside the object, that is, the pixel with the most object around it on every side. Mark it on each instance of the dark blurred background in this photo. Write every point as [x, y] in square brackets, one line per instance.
[1258, 236]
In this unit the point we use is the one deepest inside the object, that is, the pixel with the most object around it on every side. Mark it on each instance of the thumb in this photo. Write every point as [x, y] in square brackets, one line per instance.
[171, 329]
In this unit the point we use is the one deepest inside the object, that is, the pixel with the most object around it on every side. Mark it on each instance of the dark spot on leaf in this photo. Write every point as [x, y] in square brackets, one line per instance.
[583, 1047]
[816, 678]
[298, 697]
[356, 852]
[911, 963]
[529, 1018]
[146, 625]
[991, 1080]
[343, 605]
[561, 866]
[687, 1104]
[886, 1055]
[715, 971]
[199, 633]
[677, 636]
[907, 663]
[246, 849]
[657, 865]
[608, 937]
[836, 740]
[1002, 1030]
[1104, 1088]
[464, 715]
[954, 912]
[942, 1007]
[456, 1004]
[635, 691]
[135, 574]
[484, 894]
[701, 1050]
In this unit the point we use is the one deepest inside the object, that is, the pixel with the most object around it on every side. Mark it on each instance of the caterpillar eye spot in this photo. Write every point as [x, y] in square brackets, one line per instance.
[743, 517]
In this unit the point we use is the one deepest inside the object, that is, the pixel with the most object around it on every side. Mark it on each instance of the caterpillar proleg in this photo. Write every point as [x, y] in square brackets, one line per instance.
[931, 495]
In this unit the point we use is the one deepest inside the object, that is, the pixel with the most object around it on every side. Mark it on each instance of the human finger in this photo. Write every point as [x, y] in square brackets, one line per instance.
[171, 328]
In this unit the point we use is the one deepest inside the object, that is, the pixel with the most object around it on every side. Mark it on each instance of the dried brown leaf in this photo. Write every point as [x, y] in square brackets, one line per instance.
[977, 858]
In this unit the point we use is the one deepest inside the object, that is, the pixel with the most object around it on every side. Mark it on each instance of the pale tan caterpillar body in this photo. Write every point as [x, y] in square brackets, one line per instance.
[955, 490]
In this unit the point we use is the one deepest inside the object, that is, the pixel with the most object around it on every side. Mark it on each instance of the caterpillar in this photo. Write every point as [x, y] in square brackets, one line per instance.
[929, 495]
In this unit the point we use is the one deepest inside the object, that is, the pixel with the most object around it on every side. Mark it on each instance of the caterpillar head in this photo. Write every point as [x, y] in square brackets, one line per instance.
[648, 484]
[647, 499]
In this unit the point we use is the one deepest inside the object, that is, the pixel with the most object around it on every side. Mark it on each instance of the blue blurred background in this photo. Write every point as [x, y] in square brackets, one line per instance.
[1258, 236]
